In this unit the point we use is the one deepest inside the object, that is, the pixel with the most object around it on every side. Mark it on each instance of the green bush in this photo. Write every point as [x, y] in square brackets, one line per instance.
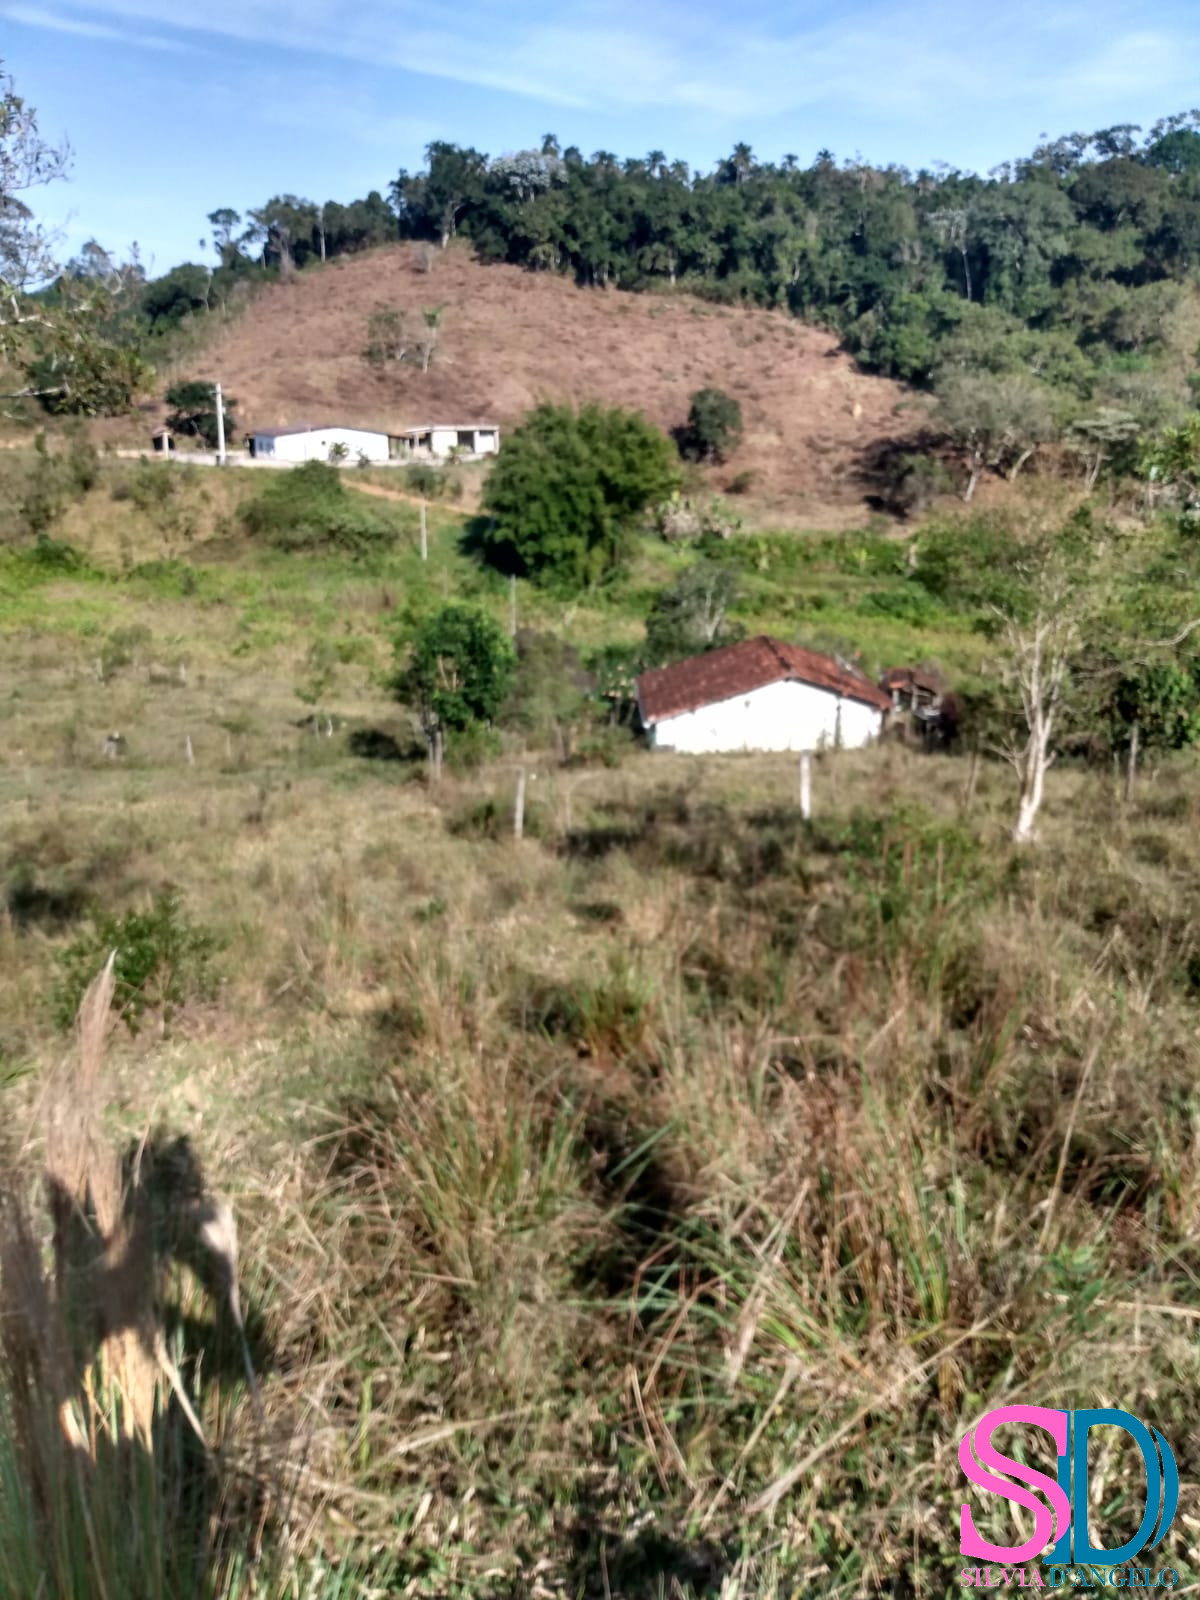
[434, 483]
[549, 692]
[568, 490]
[714, 426]
[913, 605]
[310, 508]
[423, 478]
[162, 960]
[56, 555]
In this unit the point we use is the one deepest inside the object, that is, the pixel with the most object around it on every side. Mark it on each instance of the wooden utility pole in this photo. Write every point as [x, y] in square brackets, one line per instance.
[220, 426]
[519, 806]
[424, 535]
[805, 785]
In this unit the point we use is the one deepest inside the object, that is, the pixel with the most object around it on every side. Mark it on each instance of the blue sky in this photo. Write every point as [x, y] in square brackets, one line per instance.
[174, 109]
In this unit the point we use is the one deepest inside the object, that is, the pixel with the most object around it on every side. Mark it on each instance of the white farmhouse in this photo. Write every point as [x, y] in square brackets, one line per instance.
[439, 439]
[759, 694]
[318, 443]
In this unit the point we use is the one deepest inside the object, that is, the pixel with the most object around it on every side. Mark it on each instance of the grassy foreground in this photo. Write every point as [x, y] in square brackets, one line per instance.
[641, 1209]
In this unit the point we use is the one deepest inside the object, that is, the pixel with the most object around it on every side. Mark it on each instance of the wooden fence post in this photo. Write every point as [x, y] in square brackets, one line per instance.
[1131, 763]
[519, 805]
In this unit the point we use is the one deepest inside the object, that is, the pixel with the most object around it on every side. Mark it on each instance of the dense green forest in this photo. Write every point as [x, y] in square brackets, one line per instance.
[1071, 264]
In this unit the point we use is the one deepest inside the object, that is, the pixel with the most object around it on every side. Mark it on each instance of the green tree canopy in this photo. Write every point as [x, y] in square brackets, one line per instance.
[714, 426]
[167, 300]
[454, 668]
[568, 488]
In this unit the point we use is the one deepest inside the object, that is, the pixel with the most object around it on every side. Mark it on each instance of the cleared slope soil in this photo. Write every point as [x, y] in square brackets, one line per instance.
[510, 338]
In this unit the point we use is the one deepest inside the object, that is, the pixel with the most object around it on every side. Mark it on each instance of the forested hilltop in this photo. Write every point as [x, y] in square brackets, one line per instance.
[1070, 265]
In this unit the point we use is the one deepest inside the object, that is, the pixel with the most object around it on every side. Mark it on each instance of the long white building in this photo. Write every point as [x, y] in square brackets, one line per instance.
[318, 442]
[332, 442]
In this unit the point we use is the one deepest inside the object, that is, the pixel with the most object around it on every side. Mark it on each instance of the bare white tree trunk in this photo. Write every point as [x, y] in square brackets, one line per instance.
[1033, 786]
[1039, 653]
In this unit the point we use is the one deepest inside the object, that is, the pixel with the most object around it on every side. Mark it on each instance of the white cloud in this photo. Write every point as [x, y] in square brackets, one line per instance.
[57, 22]
[916, 60]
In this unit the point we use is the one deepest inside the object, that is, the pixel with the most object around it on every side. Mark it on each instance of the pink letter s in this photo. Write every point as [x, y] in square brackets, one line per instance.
[1048, 1526]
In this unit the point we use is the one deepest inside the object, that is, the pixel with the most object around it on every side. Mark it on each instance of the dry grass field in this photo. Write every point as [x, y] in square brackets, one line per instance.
[640, 1209]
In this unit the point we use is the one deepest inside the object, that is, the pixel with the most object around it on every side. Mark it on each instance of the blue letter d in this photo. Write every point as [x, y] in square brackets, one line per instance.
[1085, 1554]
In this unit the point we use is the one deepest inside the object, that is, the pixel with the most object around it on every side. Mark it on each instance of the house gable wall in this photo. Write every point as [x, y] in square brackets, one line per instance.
[779, 716]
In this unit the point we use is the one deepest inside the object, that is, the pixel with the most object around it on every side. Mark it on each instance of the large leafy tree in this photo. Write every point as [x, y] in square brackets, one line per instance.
[285, 232]
[568, 489]
[193, 412]
[177, 294]
[692, 615]
[27, 162]
[997, 421]
[433, 204]
[225, 222]
[60, 330]
[454, 668]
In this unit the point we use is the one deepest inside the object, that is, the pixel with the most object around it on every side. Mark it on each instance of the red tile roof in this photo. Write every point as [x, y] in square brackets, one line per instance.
[740, 668]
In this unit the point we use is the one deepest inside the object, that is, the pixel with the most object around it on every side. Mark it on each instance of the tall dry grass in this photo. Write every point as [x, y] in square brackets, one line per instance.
[122, 1478]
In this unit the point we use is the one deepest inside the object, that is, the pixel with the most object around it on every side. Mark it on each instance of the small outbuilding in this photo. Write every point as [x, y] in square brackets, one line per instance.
[329, 441]
[163, 441]
[760, 694]
[913, 688]
[438, 440]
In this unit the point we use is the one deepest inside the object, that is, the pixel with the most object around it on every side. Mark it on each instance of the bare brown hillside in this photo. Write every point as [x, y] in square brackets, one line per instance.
[510, 338]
